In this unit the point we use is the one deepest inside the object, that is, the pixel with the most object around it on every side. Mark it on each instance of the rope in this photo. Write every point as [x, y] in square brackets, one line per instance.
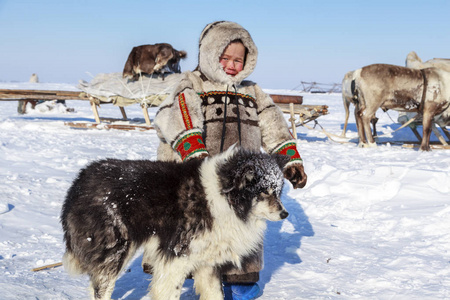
[224, 127]
[145, 93]
[238, 114]
[329, 135]
[131, 92]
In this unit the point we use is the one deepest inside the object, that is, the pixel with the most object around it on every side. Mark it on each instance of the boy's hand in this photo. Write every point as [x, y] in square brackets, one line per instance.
[201, 156]
[296, 175]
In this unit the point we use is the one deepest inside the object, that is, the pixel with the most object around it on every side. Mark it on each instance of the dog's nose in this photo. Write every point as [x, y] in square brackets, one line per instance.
[284, 214]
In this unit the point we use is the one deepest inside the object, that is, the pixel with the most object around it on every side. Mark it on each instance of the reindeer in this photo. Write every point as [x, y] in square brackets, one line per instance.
[413, 61]
[147, 59]
[425, 91]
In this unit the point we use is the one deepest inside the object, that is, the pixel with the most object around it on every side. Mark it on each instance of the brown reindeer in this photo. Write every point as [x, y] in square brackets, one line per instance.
[424, 91]
[147, 59]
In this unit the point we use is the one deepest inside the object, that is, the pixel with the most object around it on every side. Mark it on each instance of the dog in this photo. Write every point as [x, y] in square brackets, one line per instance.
[148, 59]
[197, 217]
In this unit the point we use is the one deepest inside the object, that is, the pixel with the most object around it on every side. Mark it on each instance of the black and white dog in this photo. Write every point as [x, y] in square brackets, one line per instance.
[192, 218]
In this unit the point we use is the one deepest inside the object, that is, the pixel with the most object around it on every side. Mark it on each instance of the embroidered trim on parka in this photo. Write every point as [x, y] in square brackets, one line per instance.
[289, 148]
[190, 144]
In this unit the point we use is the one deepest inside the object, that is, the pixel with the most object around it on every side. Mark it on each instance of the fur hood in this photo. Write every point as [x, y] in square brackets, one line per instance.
[214, 38]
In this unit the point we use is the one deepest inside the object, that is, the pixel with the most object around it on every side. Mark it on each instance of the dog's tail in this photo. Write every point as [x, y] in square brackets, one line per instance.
[71, 264]
[354, 87]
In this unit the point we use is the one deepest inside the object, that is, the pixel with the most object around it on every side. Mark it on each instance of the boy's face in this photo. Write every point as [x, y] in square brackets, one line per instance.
[232, 59]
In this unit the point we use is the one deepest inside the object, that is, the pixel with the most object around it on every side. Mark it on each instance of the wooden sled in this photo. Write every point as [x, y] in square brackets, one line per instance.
[284, 101]
[290, 104]
[51, 95]
[418, 122]
[304, 113]
[45, 95]
[281, 100]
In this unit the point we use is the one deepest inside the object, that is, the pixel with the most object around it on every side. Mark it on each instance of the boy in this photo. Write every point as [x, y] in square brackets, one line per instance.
[213, 108]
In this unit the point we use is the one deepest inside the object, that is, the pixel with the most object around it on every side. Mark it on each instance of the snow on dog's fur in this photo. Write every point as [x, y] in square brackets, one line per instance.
[198, 217]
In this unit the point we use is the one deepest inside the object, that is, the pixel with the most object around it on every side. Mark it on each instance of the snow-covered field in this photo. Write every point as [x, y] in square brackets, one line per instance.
[370, 224]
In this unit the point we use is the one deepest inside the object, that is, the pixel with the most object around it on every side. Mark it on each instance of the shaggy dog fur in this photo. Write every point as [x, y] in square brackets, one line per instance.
[200, 217]
[147, 59]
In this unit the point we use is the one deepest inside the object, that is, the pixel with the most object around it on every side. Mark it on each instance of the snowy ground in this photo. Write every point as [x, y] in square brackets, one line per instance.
[371, 223]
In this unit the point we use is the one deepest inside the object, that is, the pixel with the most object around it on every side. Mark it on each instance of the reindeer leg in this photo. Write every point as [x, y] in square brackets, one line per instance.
[374, 125]
[426, 124]
[360, 127]
[347, 114]
[366, 119]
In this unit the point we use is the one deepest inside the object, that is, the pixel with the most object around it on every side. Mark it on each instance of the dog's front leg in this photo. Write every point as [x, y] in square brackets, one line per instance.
[167, 281]
[207, 283]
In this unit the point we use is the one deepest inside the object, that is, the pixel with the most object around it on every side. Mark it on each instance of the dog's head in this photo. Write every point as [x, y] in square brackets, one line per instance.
[252, 183]
[173, 65]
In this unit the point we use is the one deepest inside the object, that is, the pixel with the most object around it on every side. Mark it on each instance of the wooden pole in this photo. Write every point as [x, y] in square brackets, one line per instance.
[95, 111]
[124, 114]
[47, 267]
[14, 95]
[438, 134]
[292, 119]
[146, 116]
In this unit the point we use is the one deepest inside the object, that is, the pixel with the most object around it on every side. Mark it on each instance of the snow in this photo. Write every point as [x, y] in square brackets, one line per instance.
[370, 223]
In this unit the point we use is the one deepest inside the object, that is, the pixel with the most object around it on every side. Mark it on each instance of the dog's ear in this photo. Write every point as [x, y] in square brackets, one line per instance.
[281, 160]
[246, 177]
[242, 179]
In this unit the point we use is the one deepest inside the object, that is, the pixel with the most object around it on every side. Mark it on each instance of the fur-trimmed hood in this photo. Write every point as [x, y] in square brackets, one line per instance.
[214, 38]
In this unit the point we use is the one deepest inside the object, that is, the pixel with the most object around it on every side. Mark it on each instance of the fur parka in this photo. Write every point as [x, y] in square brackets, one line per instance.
[190, 121]
[210, 108]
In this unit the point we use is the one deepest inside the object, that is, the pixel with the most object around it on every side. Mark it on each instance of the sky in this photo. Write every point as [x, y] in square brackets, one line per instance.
[312, 41]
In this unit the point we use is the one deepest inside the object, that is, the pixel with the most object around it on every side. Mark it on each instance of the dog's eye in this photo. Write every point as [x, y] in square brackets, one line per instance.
[268, 192]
